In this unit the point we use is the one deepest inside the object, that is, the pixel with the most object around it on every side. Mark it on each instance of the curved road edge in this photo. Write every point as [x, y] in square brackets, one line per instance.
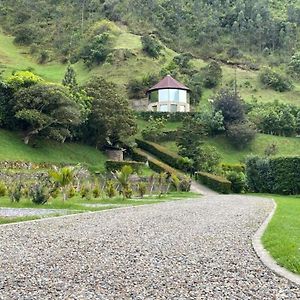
[264, 255]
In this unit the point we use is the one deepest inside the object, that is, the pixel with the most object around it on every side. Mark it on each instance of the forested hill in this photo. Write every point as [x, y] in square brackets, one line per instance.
[207, 28]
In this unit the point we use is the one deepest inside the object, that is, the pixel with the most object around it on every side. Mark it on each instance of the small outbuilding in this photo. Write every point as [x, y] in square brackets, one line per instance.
[169, 95]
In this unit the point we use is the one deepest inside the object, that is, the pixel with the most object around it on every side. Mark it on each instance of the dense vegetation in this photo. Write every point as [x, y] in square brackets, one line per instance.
[264, 27]
[94, 113]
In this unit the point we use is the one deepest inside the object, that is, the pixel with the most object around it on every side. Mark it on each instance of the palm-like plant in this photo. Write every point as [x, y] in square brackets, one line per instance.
[63, 178]
[123, 179]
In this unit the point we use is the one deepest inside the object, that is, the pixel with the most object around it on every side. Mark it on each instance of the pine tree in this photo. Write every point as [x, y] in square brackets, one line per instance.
[69, 79]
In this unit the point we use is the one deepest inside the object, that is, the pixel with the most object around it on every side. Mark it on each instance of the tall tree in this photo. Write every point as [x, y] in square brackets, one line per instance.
[111, 120]
[45, 110]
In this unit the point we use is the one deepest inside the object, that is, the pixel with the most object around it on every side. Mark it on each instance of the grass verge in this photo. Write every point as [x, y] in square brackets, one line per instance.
[282, 237]
[79, 205]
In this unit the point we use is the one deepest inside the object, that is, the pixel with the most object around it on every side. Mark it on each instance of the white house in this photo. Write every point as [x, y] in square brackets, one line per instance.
[169, 95]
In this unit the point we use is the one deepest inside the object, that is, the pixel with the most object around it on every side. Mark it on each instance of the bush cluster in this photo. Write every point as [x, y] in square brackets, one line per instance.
[217, 183]
[275, 81]
[279, 175]
[161, 152]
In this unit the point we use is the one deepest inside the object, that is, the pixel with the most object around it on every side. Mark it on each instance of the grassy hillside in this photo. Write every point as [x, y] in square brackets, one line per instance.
[286, 146]
[12, 148]
[14, 57]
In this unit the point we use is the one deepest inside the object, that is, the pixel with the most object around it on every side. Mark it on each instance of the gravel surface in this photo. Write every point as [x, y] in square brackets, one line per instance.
[25, 212]
[194, 249]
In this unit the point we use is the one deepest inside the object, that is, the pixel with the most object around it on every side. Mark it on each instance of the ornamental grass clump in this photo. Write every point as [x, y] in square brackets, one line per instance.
[142, 189]
[3, 189]
[123, 179]
[62, 179]
[110, 189]
[15, 193]
[39, 194]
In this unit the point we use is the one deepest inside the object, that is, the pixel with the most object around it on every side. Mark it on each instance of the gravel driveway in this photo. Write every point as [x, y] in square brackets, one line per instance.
[195, 249]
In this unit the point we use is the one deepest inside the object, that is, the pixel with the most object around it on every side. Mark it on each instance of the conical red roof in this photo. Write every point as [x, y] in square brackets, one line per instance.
[168, 83]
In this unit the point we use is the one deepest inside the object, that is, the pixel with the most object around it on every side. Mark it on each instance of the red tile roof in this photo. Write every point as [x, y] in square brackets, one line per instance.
[168, 83]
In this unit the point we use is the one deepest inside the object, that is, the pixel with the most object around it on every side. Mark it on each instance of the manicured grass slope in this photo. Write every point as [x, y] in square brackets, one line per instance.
[286, 146]
[282, 238]
[12, 148]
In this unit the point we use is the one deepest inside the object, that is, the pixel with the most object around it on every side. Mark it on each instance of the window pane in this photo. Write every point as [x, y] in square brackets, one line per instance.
[163, 108]
[163, 95]
[182, 96]
[174, 95]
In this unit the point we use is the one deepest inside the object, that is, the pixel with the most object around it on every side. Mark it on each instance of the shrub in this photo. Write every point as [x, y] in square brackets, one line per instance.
[112, 165]
[175, 182]
[239, 168]
[285, 173]
[161, 152]
[39, 194]
[271, 149]
[231, 106]
[142, 189]
[137, 88]
[212, 75]
[110, 189]
[259, 177]
[71, 192]
[185, 183]
[171, 117]
[154, 131]
[217, 183]
[96, 49]
[123, 179]
[96, 192]
[206, 158]
[238, 181]
[294, 65]
[151, 46]
[3, 189]
[24, 36]
[241, 135]
[84, 191]
[127, 192]
[54, 193]
[275, 81]
[15, 193]
[138, 155]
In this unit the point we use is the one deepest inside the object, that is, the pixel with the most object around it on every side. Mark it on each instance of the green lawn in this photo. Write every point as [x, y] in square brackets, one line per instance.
[286, 146]
[77, 204]
[282, 237]
[12, 148]
[18, 58]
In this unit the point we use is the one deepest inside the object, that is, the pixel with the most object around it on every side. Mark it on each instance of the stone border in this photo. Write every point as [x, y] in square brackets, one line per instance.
[264, 255]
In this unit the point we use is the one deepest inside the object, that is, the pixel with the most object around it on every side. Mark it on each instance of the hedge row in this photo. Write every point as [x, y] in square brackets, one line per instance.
[279, 175]
[239, 168]
[137, 155]
[112, 165]
[156, 165]
[161, 152]
[172, 117]
[216, 183]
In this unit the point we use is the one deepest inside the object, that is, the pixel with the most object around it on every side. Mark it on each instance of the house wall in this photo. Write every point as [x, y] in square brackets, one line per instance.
[169, 100]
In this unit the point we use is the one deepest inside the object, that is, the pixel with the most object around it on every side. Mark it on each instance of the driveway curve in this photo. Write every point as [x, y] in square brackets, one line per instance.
[194, 249]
